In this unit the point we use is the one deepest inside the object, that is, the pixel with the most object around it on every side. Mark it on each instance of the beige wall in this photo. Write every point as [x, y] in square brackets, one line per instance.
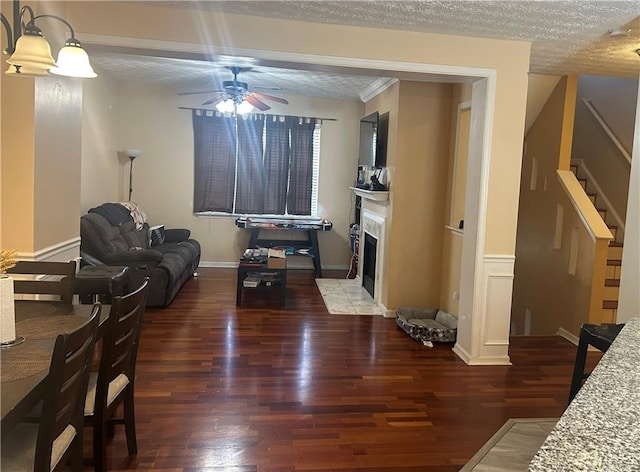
[58, 139]
[418, 194]
[18, 144]
[149, 119]
[542, 282]
[460, 166]
[101, 162]
[451, 264]
[41, 162]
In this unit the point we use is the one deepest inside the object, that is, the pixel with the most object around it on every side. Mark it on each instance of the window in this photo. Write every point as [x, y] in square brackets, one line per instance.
[260, 165]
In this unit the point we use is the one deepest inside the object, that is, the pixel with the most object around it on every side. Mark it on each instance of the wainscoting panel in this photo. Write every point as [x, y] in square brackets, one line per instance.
[492, 315]
[498, 279]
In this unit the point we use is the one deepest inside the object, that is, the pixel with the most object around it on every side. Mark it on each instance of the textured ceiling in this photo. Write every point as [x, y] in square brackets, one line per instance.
[191, 75]
[566, 37]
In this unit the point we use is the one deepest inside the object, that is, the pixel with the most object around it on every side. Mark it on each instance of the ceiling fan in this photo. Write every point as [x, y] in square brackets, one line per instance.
[235, 92]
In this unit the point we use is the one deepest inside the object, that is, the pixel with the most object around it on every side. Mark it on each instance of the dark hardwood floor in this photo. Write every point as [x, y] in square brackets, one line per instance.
[257, 388]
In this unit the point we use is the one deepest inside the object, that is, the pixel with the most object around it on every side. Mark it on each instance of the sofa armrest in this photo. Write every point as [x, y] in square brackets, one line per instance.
[139, 257]
[176, 235]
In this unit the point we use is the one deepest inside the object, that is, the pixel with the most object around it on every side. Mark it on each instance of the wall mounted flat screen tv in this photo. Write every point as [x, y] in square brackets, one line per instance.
[373, 140]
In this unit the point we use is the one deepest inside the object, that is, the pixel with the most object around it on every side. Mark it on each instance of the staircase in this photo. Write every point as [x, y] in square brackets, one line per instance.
[614, 257]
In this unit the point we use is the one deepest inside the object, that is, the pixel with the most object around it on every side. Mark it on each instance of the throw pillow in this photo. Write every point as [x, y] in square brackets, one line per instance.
[156, 235]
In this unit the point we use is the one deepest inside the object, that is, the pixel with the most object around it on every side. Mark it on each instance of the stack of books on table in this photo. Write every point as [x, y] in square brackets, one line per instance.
[255, 279]
[252, 280]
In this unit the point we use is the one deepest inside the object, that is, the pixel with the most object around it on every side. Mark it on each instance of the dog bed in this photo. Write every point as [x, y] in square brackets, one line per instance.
[426, 325]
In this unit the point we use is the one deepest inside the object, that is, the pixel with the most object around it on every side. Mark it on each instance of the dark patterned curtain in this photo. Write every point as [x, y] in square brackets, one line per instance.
[276, 166]
[301, 166]
[214, 162]
[250, 183]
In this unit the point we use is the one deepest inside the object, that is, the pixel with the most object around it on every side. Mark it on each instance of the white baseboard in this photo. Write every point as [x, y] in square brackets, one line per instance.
[461, 353]
[386, 312]
[477, 360]
[572, 338]
[220, 265]
[234, 265]
[61, 252]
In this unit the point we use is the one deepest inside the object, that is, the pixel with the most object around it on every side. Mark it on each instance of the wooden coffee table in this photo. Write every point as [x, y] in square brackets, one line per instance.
[271, 279]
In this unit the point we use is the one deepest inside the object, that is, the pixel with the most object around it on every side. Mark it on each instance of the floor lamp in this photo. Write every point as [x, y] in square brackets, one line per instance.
[131, 154]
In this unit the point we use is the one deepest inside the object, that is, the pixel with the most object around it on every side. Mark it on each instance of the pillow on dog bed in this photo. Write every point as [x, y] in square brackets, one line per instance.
[427, 324]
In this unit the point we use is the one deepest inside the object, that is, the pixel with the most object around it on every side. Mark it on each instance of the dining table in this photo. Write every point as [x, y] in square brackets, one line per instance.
[24, 367]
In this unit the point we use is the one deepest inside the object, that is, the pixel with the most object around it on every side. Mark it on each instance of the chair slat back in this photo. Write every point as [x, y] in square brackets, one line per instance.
[120, 342]
[64, 272]
[66, 389]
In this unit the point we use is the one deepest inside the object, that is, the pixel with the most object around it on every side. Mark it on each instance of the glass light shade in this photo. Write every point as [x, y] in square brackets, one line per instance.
[21, 71]
[73, 61]
[132, 153]
[32, 51]
[225, 106]
[244, 108]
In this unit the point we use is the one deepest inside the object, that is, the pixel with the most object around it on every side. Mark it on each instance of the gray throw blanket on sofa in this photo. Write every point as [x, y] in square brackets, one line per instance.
[114, 213]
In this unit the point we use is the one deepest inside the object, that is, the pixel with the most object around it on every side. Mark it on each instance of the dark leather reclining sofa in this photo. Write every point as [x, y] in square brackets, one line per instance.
[110, 236]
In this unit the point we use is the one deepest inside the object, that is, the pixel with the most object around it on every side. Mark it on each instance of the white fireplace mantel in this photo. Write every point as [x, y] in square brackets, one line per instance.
[375, 195]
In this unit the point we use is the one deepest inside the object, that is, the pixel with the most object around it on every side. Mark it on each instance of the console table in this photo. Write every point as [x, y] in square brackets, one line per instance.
[301, 247]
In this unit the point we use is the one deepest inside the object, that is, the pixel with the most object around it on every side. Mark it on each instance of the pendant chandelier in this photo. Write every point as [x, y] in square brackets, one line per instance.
[30, 52]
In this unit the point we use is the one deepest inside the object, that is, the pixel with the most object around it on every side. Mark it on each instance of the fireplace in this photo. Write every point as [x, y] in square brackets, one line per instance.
[369, 263]
[372, 245]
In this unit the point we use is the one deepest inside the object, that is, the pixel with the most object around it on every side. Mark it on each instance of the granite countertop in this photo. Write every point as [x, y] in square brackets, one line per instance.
[600, 429]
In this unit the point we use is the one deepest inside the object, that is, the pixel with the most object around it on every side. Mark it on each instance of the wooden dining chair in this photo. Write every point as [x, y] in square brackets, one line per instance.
[113, 384]
[600, 337]
[56, 439]
[59, 280]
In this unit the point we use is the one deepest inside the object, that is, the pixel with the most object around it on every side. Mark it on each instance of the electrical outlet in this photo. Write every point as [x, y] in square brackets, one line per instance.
[456, 295]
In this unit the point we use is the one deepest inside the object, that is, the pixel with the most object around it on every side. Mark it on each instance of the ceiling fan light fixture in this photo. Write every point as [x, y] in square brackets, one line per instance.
[244, 107]
[230, 106]
[236, 98]
[225, 106]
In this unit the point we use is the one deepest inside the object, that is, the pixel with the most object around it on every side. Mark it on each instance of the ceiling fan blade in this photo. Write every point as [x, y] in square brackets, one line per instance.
[261, 87]
[264, 96]
[257, 103]
[196, 93]
[214, 101]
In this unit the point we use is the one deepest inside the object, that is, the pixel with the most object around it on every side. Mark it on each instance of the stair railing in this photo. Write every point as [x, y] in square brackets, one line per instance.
[599, 234]
[607, 129]
[601, 195]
